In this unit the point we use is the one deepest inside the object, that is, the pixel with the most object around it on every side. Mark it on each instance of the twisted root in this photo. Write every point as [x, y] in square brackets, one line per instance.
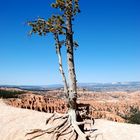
[61, 127]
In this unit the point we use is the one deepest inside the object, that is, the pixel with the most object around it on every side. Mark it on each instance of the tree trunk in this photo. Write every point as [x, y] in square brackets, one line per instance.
[72, 105]
[58, 52]
[64, 126]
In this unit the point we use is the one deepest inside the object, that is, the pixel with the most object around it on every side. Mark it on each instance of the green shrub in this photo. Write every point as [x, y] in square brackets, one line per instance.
[135, 118]
[134, 115]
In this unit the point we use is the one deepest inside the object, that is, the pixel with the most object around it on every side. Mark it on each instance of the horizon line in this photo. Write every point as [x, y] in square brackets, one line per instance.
[116, 82]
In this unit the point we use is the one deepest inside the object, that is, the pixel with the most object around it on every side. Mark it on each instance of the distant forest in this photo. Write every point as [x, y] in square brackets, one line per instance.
[10, 94]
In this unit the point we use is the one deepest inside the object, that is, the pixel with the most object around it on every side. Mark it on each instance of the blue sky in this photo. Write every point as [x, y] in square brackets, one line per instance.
[108, 32]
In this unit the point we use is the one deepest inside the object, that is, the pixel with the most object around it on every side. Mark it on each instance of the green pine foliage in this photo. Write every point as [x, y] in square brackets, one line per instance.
[56, 24]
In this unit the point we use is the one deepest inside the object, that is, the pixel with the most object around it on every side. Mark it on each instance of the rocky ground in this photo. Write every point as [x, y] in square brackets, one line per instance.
[16, 122]
[114, 106]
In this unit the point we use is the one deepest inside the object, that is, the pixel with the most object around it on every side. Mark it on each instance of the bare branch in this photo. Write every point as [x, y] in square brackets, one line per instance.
[58, 51]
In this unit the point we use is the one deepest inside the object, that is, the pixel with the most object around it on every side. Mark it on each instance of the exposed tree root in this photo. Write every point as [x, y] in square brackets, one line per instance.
[61, 127]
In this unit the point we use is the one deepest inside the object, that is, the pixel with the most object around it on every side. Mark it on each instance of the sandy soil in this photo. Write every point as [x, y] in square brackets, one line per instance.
[117, 131]
[16, 122]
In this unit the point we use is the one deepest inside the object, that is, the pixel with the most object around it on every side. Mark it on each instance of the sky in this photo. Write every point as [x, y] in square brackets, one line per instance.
[108, 32]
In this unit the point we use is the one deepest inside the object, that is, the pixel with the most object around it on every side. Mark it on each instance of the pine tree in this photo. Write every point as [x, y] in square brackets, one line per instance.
[61, 25]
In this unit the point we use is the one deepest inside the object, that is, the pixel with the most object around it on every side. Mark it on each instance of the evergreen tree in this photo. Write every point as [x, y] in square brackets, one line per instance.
[61, 25]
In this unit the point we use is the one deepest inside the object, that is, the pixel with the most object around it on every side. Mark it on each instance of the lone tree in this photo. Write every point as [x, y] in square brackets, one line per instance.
[61, 25]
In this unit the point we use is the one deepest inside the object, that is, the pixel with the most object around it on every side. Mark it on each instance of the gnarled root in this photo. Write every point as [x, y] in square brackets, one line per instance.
[61, 127]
